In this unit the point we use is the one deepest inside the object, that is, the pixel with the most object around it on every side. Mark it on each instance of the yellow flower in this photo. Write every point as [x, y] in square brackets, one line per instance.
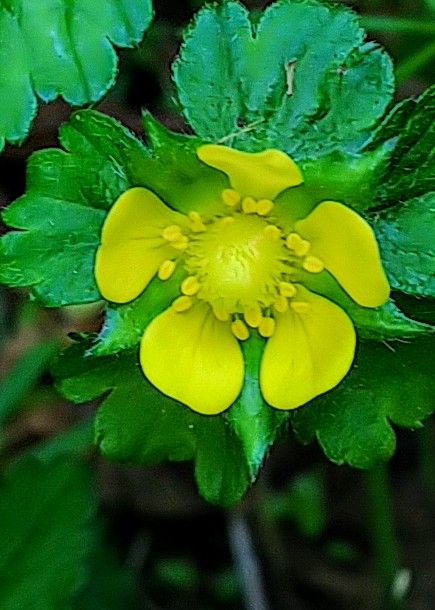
[245, 260]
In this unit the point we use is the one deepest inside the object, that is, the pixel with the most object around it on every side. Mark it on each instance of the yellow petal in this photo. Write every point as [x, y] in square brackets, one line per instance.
[261, 175]
[309, 353]
[194, 358]
[347, 246]
[132, 247]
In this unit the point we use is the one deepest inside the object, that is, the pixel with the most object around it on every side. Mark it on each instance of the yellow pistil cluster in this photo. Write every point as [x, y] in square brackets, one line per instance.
[242, 264]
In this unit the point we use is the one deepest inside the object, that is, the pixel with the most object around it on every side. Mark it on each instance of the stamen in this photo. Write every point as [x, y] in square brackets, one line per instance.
[249, 205]
[281, 304]
[295, 242]
[273, 232]
[267, 327]
[253, 316]
[240, 330]
[227, 220]
[231, 197]
[264, 206]
[287, 289]
[172, 233]
[181, 243]
[220, 313]
[300, 306]
[166, 269]
[313, 264]
[182, 304]
[196, 223]
[190, 286]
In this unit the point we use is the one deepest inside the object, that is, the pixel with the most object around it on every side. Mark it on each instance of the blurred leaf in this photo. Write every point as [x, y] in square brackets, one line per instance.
[405, 25]
[306, 83]
[415, 62]
[24, 375]
[406, 238]
[303, 501]
[61, 215]
[410, 171]
[386, 384]
[73, 442]
[109, 586]
[137, 424]
[46, 533]
[61, 48]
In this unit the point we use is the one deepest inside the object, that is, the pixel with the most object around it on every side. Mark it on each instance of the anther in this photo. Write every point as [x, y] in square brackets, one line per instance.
[300, 306]
[281, 304]
[287, 289]
[181, 243]
[295, 242]
[172, 233]
[249, 205]
[272, 232]
[166, 269]
[253, 316]
[231, 197]
[240, 330]
[264, 206]
[313, 264]
[182, 304]
[227, 220]
[267, 327]
[221, 314]
[196, 223]
[190, 286]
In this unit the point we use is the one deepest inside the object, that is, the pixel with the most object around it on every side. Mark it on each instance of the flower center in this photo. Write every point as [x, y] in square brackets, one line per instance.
[238, 261]
[241, 264]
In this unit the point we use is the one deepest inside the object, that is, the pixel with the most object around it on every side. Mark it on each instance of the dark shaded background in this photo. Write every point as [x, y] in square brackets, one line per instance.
[302, 539]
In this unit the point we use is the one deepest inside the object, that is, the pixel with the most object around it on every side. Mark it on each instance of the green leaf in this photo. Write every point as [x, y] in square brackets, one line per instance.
[255, 423]
[61, 215]
[124, 325]
[406, 237]
[75, 441]
[137, 424]
[383, 323]
[350, 178]
[302, 501]
[182, 180]
[46, 533]
[386, 384]
[61, 48]
[411, 169]
[110, 586]
[24, 375]
[302, 80]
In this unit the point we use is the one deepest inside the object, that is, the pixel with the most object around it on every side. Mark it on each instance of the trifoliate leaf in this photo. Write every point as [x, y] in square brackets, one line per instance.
[61, 48]
[137, 424]
[388, 383]
[302, 79]
[61, 215]
[46, 533]
[411, 170]
[406, 235]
